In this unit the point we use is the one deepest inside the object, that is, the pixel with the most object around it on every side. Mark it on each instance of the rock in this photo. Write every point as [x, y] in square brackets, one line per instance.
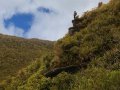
[100, 4]
[70, 69]
[56, 71]
[71, 30]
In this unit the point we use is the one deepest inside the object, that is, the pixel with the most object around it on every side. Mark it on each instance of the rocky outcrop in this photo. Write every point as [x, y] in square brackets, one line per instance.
[100, 4]
[69, 69]
[75, 26]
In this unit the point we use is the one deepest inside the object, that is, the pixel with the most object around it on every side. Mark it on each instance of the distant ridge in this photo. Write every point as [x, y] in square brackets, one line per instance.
[16, 53]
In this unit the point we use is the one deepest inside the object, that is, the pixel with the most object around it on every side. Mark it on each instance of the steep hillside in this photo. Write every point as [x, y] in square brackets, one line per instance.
[95, 38]
[93, 43]
[17, 53]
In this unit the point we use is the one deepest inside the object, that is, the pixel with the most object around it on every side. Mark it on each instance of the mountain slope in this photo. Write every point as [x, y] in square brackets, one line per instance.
[16, 53]
[94, 40]
[96, 35]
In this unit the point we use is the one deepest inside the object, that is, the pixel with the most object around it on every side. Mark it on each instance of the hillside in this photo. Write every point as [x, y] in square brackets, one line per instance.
[16, 53]
[92, 43]
[95, 37]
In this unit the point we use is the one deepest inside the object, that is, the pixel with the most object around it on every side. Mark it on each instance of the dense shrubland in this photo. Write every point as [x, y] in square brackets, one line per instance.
[99, 37]
[17, 53]
[96, 43]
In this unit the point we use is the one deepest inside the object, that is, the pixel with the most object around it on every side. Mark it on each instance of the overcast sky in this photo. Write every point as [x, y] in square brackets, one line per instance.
[43, 19]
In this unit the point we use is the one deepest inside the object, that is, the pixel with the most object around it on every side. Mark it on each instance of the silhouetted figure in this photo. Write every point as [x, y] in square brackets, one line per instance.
[75, 14]
[100, 4]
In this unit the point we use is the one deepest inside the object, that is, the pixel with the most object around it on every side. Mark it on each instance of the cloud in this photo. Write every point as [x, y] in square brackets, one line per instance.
[52, 18]
[44, 10]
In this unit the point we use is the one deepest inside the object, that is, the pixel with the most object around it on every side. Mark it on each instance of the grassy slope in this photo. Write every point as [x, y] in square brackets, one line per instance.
[17, 53]
[97, 39]
[97, 44]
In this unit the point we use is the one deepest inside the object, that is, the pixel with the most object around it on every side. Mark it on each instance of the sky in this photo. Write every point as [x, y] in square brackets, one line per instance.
[42, 19]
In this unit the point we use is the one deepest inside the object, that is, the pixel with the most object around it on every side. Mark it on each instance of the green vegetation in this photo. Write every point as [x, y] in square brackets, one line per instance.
[99, 38]
[96, 43]
[17, 53]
